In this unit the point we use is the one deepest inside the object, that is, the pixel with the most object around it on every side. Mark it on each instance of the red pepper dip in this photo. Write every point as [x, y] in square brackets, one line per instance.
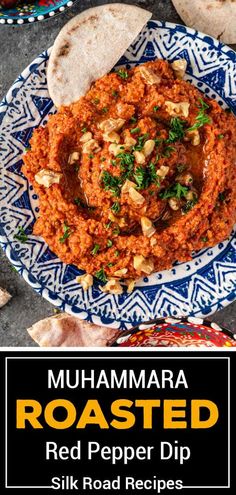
[137, 174]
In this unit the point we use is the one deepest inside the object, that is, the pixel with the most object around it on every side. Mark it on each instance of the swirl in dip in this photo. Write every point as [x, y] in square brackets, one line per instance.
[135, 175]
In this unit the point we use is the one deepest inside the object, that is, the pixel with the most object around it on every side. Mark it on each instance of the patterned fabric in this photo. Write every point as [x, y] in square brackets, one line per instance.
[199, 287]
[38, 10]
[189, 332]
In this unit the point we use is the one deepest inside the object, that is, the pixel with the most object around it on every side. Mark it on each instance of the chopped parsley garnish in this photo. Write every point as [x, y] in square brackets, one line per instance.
[167, 151]
[21, 236]
[141, 141]
[204, 239]
[116, 230]
[136, 130]
[133, 120]
[203, 105]
[159, 141]
[67, 232]
[108, 225]
[189, 205]
[117, 253]
[126, 165]
[156, 108]
[84, 130]
[140, 177]
[123, 74]
[111, 183]
[176, 132]
[109, 243]
[110, 265]
[103, 159]
[115, 207]
[202, 118]
[27, 148]
[222, 197]
[146, 176]
[91, 156]
[79, 202]
[101, 275]
[114, 93]
[181, 167]
[153, 174]
[96, 101]
[95, 249]
[126, 158]
[174, 191]
[105, 110]
[221, 136]
[113, 162]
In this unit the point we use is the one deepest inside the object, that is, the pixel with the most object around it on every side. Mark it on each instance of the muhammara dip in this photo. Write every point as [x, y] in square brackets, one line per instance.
[139, 173]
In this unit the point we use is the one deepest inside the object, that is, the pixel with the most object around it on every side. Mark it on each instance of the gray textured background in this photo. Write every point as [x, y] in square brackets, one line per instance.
[19, 46]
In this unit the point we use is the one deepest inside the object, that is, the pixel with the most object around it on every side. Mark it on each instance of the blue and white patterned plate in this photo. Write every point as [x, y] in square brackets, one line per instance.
[199, 287]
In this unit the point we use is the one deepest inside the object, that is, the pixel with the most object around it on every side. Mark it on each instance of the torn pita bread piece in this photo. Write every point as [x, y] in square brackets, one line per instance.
[63, 330]
[89, 46]
[4, 297]
[214, 17]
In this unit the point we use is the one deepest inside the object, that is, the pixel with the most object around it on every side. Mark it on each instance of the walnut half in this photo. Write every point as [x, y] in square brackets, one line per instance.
[142, 264]
[47, 177]
[147, 227]
[149, 76]
[91, 146]
[85, 280]
[177, 109]
[194, 137]
[112, 287]
[127, 186]
[136, 197]
[73, 158]
[179, 67]
[110, 125]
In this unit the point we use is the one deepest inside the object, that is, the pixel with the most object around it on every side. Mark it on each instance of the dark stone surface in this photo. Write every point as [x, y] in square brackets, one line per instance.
[19, 46]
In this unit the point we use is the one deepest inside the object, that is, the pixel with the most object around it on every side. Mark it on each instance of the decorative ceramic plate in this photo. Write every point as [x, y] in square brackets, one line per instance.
[199, 287]
[37, 10]
[171, 332]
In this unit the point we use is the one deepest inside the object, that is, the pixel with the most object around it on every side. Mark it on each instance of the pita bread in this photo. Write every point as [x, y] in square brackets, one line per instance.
[89, 46]
[215, 17]
[63, 330]
[4, 297]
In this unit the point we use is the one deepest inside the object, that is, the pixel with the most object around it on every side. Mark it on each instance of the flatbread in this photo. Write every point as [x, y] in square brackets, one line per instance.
[4, 297]
[89, 46]
[63, 330]
[215, 17]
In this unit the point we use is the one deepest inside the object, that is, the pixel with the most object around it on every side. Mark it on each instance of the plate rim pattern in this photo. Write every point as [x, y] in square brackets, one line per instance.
[56, 299]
